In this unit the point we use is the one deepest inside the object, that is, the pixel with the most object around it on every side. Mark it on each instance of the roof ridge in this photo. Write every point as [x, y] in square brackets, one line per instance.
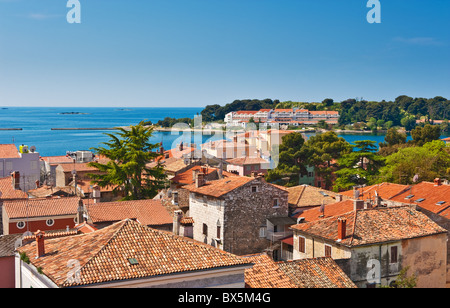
[123, 222]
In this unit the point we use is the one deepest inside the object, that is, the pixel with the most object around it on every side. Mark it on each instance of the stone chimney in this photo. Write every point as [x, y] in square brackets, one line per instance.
[358, 205]
[437, 182]
[339, 198]
[40, 245]
[80, 212]
[342, 228]
[96, 194]
[16, 179]
[177, 215]
[199, 180]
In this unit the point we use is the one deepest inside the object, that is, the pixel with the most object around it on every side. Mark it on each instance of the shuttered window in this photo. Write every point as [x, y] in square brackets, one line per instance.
[301, 244]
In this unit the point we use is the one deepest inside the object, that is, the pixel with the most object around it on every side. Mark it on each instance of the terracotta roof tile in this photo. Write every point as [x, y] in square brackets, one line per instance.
[9, 151]
[316, 273]
[8, 192]
[384, 190]
[41, 207]
[372, 226]
[147, 212]
[265, 273]
[221, 187]
[330, 210]
[308, 196]
[436, 198]
[104, 255]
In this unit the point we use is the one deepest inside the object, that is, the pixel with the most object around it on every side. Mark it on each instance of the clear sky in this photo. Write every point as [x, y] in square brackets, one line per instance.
[182, 53]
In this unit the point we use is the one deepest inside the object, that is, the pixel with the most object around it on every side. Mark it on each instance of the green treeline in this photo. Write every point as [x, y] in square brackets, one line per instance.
[402, 112]
[342, 165]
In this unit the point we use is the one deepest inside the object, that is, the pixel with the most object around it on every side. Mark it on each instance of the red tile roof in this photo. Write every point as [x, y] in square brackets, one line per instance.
[148, 212]
[9, 151]
[8, 192]
[370, 226]
[241, 161]
[221, 187]
[41, 207]
[316, 273]
[265, 273]
[431, 193]
[384, 190]
[104, 255]
[56, 160]
[304, 273]
[332, 209]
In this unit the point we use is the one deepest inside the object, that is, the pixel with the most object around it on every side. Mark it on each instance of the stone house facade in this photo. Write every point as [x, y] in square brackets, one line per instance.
[233, 213]
[373, 245]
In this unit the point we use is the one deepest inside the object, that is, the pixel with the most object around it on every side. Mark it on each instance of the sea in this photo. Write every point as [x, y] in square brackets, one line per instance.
[35, 126]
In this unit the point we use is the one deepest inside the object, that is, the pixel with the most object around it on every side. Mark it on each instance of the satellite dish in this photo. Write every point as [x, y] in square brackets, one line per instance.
[32, 149]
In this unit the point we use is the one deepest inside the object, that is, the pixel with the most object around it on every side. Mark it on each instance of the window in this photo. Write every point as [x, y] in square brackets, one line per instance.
[254, 189]
[394, 254]
[218, 232]
[301, 244]
[50, 222]
[205, 229]
[276, 202]
[409, 196]
[175, 198]
[327, 251]
[21, 224]
[440, 203]
[262, 231]
[420, 200]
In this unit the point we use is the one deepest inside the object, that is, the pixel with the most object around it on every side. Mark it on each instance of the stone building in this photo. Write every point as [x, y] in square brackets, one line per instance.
[236, 214]
[372, 245]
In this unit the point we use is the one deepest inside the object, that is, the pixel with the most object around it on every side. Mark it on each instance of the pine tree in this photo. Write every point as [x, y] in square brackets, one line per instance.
[129, 152]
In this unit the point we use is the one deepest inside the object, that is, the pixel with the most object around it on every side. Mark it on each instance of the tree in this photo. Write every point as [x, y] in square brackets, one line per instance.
[403, 281]
[428, 133]
[359, 167]
[322, 151]
[328, 102]
[408, 122]
[290, 161]
[429, 161]
[393, 137]
[129, 151]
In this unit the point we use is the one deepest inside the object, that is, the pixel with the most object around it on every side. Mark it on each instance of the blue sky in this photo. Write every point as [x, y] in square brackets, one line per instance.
[182, 53]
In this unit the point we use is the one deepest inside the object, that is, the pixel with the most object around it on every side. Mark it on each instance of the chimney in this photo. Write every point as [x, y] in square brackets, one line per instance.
[181, 146]
[80, 212]
[437, 182]
[339, 198]
[40, 245]
[199, 180]
[220, 171]
[358, 205]
[96, 194]
[342, 226]
[161, 148]
[16, 179]
[177, 215]
[37, 184]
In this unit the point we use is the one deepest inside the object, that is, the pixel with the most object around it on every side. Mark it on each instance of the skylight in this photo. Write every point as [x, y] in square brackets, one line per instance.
[440, 203]
[133, 261]
[409, 197]
[420, 200]
[323, 193]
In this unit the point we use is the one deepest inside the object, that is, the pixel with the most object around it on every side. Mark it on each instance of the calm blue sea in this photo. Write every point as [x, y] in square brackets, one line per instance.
[36, 124]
